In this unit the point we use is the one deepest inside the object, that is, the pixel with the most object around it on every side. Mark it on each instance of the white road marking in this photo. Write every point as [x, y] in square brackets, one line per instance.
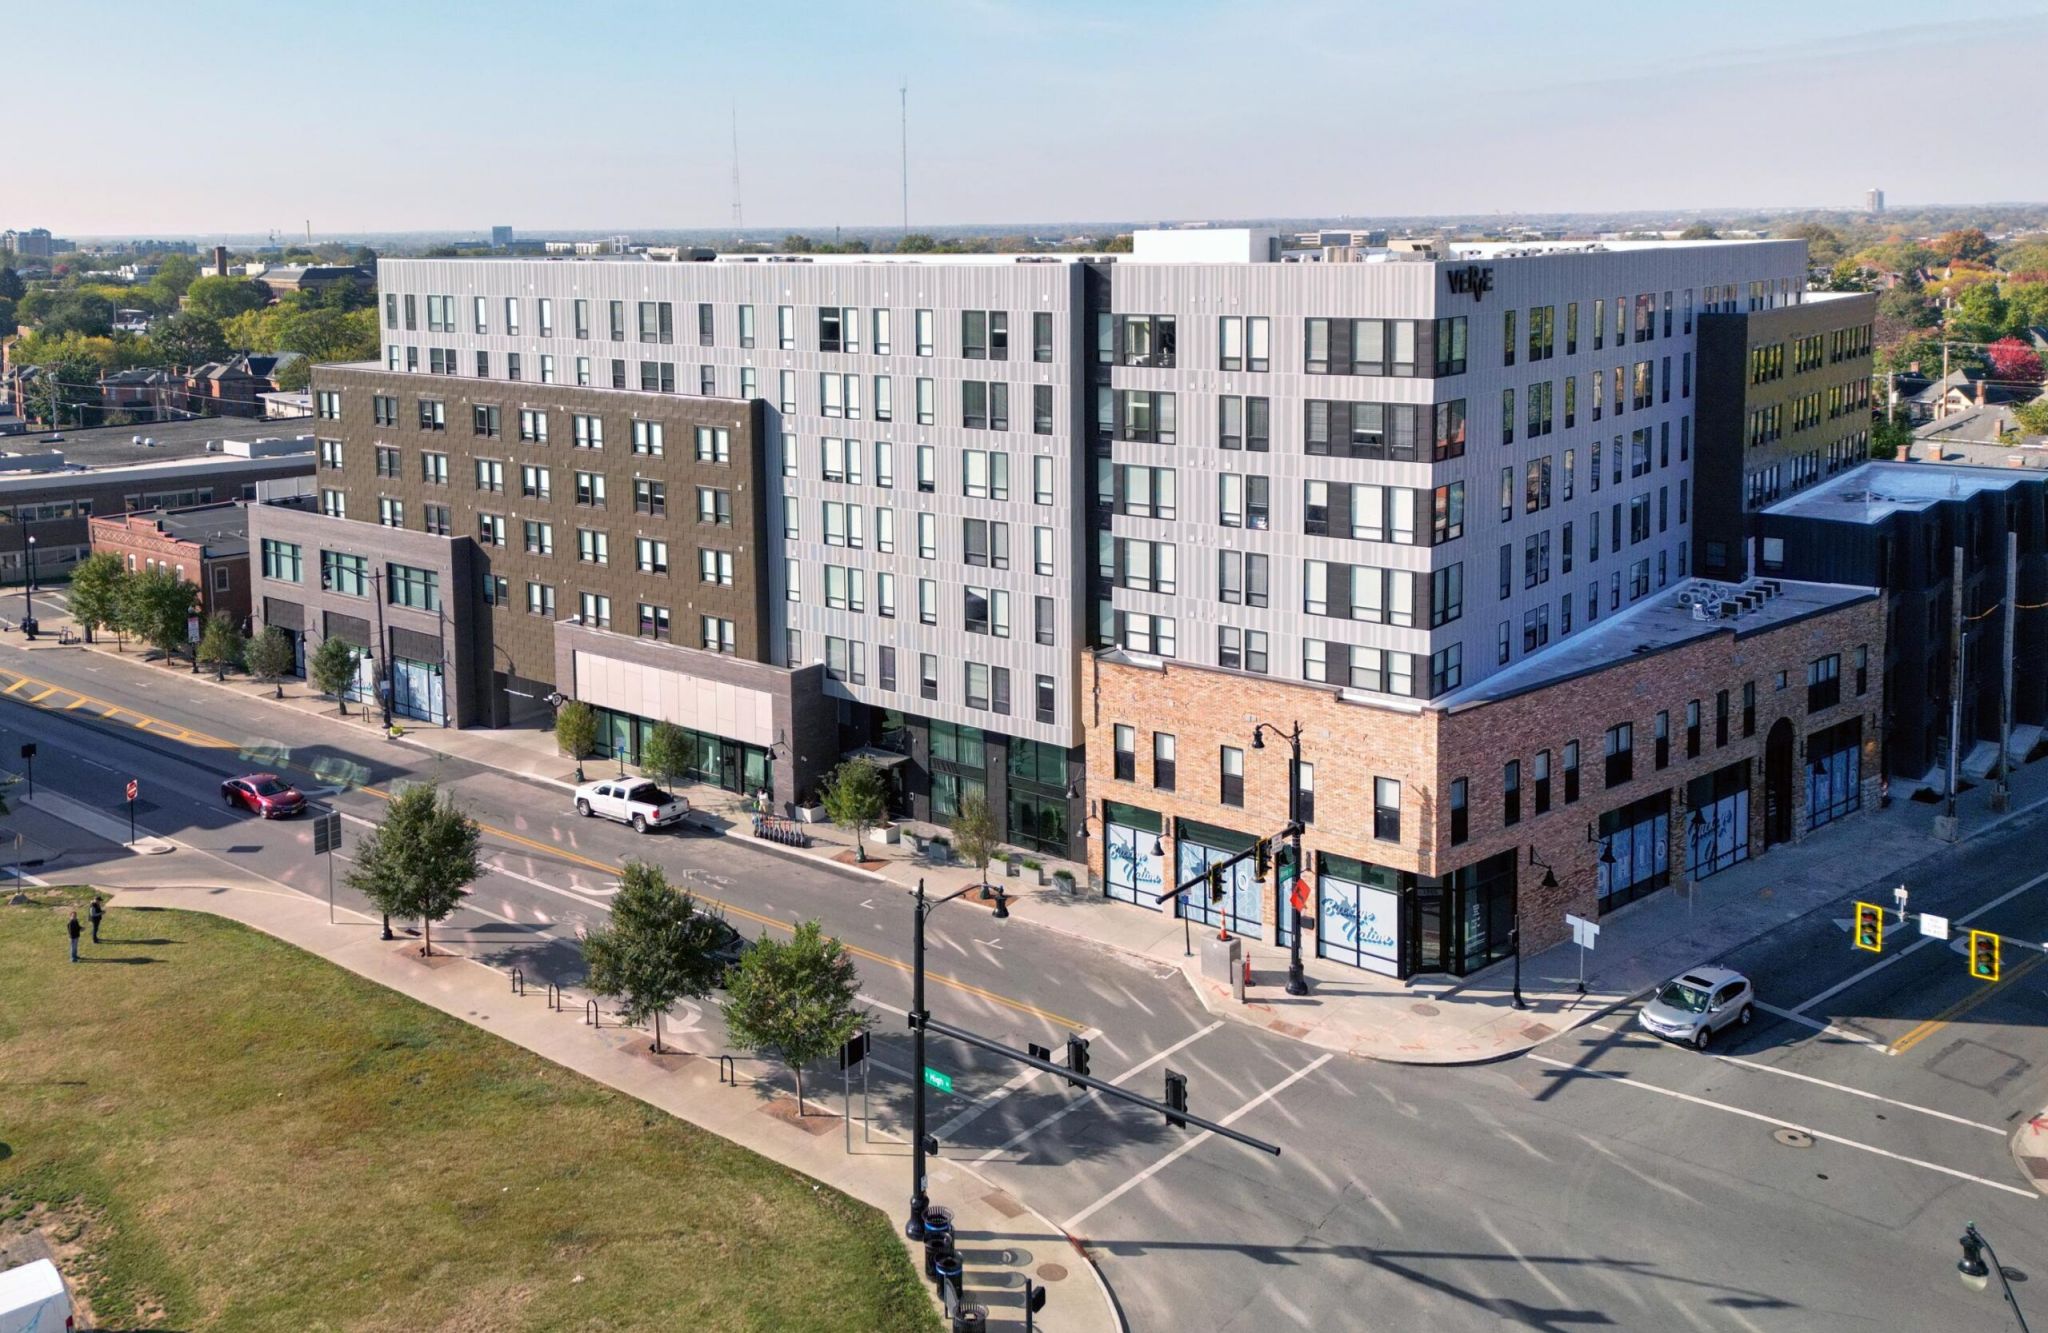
[1542, 1279]
[1311, 1067]
[880, 1004]
[1822, 1135]
[585, 894]
[1833, 1030]
[1080, 1102]
[1923, 941]
[1858, 1092]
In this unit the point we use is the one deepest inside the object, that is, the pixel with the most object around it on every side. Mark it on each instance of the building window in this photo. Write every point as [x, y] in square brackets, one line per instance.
[650, 556]
[595, 609]
[1461, 818]
[654, 621]
[1305, 791]
[1823, 682]
[1571, 772]
[1692, 729]
[540, 600]
[1386, 810]
[1721, 718]
[1231, 765]
[1620, 753]
[540, 538]
[407, 585]
[1511, 793]
[330, 455]
[283, 561]
[1749, 708]
[1125, 753]
[1162, 760]
[717, 635]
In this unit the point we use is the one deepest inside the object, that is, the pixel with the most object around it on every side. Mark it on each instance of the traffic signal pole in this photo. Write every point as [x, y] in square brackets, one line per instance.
[1297, 980]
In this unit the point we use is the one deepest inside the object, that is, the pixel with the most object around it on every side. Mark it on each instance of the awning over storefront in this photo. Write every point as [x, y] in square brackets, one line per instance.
[878, 757]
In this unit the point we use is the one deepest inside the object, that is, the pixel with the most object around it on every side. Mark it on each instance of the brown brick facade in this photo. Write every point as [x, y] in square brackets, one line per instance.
[220, 570]
[1350, 745]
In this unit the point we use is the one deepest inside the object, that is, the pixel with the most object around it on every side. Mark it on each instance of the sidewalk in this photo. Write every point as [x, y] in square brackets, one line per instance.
[1433, 1020]
[1000, 1239]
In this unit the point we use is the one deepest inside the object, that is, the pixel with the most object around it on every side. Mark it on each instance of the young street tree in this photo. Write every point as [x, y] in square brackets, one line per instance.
[795, 1000]
[96, 592]
[974, 833]
[155, 604]
[272, 657]
[658, 947]
[419, 859]
[334, 669]
[665, 755]
[857, 797]
[576, 731]
[221, 644]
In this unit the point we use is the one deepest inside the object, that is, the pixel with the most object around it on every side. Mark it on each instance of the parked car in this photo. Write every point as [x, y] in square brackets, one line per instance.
[1695, 1006]
[729, 949]
[265, 794]
[634, 801]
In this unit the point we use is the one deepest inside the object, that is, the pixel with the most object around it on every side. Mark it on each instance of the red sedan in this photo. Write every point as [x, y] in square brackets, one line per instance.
[265, 794]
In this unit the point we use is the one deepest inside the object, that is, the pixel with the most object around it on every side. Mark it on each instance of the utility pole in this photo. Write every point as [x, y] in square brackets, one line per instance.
[2001, 797]
[1946, 828]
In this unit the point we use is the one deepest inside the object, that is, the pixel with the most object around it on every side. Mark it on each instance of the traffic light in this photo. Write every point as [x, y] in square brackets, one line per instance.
[1983, 955]
[1284, 859]
[1262, 861]
[1077, 1058]
[1215, 874]
[1869, 927]
[1176, 1097]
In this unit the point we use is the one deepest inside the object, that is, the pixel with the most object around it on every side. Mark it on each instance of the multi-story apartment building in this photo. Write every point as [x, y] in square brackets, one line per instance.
[988, 514]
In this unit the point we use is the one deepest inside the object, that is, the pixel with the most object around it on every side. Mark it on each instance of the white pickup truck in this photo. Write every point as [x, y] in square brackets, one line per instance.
[634, 801]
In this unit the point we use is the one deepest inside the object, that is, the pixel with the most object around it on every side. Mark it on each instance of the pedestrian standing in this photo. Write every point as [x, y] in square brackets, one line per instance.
[97, 913]
[73, 929]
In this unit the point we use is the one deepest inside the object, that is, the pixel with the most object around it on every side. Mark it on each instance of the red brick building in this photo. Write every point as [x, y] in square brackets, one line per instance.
[207, 545]
[1651, 751]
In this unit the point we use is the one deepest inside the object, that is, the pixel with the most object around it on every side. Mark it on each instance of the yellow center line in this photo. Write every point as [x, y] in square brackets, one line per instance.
[202, 740]
[1965, 1005]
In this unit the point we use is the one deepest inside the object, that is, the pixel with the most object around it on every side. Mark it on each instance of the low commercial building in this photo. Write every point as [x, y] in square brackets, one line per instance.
[207, 545]
[1658, 747]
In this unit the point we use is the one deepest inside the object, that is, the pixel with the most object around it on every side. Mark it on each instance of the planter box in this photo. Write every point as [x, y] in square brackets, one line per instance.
[938, 853]
[1013, 869]
[1064, 883]
[811, 814]
[886, 836]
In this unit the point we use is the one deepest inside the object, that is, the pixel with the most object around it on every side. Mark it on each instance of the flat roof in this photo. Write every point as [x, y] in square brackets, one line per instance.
[114, 446]
[1875, 491]
[222, 529]
[1678, 615]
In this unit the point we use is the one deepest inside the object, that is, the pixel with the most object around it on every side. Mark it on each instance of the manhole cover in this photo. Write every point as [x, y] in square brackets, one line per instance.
[1793, 1138]
[1426, 1010]
[1051, 1272]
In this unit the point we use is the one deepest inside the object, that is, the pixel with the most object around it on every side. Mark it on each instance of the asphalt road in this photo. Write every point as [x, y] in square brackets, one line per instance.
[1604, 1179]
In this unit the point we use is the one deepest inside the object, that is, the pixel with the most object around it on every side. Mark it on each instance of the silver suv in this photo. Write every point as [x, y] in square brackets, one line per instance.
[1695, 1006]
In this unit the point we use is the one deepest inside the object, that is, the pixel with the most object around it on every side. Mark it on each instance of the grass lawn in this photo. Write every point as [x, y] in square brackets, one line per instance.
[243, 1136]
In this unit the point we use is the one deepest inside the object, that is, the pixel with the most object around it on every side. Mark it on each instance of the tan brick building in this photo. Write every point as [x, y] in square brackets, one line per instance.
[1656, 749]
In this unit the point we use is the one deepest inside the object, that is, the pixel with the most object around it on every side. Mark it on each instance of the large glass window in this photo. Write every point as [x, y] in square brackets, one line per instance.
[1717, 831]
[1635, 855]
[1834, 772]
[1131, 873]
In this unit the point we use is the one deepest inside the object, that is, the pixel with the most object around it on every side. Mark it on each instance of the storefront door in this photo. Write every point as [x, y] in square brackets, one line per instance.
[417, 690]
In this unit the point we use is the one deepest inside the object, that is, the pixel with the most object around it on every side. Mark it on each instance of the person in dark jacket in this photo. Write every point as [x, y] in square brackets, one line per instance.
[74, 930]
[97, 913]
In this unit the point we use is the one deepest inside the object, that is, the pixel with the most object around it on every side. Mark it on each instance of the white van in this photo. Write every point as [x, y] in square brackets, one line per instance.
[32, 1300]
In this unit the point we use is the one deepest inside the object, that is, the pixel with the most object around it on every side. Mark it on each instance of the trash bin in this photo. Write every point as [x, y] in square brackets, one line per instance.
[946, 1275]
[970, 1319]
[938, 1236]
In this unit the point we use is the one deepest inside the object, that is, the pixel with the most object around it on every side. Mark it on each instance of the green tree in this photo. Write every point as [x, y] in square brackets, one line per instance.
[334, 670]
[916, 243]
[419, 859]
[657, 948]
[96, 594]
[155, 604]
[795, 1000]
[1823, 245]
[222, 644]
[856, 797]
[58, 312]
[175, 275]
[667, 753]
[222, 298]
[974, 833]
[576, 732]
[1888, 436]
[9, 321]
[272, 657]
[1699, 231]
[1980, 314]
[187, 338]
[2032, 417]
[11, 285]
[294, 376]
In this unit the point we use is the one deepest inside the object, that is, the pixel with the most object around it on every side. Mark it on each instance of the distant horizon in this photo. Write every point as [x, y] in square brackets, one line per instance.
[1044, 227]
[405, 119]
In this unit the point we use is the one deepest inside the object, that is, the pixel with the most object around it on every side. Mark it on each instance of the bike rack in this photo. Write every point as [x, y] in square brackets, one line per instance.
[728, 1072]
[518, 982]
[591, 1015]
[554, 997]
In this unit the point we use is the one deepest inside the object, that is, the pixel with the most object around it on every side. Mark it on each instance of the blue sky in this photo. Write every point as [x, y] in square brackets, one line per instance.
[381, 116]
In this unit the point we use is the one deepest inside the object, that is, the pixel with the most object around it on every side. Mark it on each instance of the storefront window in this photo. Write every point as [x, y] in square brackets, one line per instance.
[1636, 856]
[1358, 921]
[1239, 908]
[1130, 872]
[1834, 772]
[1717, 831]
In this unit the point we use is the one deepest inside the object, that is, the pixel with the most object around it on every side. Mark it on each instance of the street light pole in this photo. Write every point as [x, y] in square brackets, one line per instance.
[1297, 979]
[1515, 930]
[28, 578]
[920, 1200]
[1976, 1274]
